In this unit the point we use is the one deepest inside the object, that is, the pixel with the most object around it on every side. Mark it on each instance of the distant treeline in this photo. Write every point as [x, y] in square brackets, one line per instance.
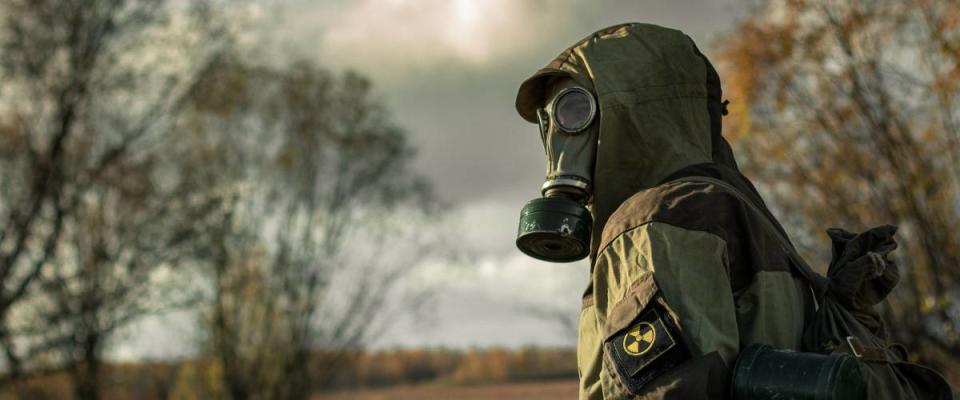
[457, 367]
[201, 378]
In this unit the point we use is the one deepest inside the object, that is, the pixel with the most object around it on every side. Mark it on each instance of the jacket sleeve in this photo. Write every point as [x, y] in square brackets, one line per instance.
[669, 287]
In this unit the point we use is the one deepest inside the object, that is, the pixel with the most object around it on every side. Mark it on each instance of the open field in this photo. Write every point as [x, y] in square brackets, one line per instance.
[565, 389]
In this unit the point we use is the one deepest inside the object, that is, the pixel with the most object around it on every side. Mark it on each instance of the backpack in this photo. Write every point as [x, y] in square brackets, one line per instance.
[859, 277]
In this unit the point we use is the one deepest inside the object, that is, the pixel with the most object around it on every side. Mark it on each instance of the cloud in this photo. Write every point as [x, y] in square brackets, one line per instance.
[393, 37]
[490, 303]
[484, 231]
[498, 286]
[421, 32]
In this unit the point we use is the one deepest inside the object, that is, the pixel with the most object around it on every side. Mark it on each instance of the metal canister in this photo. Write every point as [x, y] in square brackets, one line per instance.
[554, 229]
[762, 372]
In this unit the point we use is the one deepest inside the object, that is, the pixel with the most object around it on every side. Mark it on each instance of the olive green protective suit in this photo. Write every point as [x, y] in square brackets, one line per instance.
[684, 274]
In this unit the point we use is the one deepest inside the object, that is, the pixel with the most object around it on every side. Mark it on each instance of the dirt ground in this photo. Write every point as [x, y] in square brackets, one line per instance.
[528, 391]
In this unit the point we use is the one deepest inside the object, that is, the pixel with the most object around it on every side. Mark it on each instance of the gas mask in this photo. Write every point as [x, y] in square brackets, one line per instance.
[556, 227]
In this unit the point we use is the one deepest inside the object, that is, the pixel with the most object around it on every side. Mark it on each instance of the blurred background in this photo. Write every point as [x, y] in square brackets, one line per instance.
[297, 199]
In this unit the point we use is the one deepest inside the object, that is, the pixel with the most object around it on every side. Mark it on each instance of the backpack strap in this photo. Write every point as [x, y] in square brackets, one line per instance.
[817, 282]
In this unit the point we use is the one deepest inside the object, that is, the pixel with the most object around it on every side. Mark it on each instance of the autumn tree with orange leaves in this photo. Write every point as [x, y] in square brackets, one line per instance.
[847, 113]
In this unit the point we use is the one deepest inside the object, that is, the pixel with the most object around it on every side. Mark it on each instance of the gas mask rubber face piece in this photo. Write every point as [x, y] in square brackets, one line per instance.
[556, 227]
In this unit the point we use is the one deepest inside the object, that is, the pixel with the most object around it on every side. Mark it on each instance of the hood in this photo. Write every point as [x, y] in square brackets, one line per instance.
[660, 108]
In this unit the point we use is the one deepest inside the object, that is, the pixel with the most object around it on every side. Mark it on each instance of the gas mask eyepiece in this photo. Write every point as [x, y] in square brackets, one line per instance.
[574, 109]
[556, 227]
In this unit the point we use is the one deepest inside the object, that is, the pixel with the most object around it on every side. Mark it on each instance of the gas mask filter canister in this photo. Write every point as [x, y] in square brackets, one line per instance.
[556, 227]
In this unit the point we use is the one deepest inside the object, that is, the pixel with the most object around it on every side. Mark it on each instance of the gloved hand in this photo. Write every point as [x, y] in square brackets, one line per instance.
[861, 274]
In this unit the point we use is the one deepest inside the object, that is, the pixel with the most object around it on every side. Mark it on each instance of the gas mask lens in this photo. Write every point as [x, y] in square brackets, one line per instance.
[556, 227]
[574, 110]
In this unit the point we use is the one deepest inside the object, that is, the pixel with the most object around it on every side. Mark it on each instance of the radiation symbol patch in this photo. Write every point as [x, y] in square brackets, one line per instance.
[644, 341]
[640, 339]
[645, 349]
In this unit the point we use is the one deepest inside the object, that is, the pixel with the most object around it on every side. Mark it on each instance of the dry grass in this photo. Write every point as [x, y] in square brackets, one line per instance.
[565, 389]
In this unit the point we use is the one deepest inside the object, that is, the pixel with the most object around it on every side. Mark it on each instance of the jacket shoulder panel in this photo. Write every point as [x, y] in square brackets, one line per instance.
[705, 207]
[695, 206]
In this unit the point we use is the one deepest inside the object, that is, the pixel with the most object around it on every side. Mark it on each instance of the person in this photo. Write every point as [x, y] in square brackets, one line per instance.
[688, 265]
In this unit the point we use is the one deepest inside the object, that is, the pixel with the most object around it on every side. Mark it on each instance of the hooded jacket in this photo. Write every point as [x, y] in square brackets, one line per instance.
[685, 271]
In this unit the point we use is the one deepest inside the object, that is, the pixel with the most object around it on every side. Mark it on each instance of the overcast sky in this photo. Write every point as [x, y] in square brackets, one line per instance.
[448, 70]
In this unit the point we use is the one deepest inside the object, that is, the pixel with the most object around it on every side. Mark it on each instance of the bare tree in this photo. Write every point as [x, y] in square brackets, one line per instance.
[88, 94]
[313, 245]
[130, 244]
[848, 113]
